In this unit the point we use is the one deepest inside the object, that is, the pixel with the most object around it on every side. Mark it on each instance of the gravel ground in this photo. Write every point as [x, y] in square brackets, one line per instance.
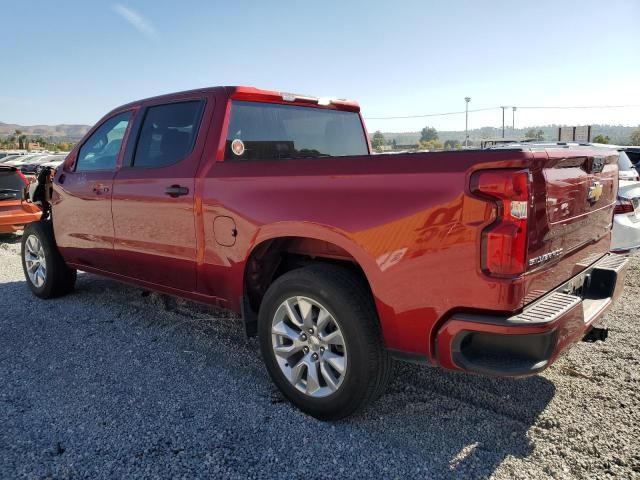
[108, 382]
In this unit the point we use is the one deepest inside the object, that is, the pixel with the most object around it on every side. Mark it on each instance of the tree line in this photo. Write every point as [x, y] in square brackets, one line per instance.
[19, 140]
[429, 140]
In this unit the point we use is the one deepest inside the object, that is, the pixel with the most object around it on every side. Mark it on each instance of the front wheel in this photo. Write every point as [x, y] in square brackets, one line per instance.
[321, 341]
[45, 270]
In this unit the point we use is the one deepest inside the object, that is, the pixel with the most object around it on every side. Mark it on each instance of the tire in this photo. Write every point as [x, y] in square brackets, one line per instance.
[341, 300]
[39, 249]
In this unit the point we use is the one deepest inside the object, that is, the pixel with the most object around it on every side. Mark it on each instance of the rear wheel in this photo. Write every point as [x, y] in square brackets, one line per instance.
[321, 341]
[45, 270]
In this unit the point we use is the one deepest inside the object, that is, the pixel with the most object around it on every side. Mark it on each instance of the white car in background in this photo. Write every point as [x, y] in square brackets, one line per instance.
[625, 235]
[626, 170]
[9, 158]
[55, 162]
[24, 159]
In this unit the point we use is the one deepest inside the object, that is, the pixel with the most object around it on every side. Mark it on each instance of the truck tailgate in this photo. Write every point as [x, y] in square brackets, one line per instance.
[575, 191]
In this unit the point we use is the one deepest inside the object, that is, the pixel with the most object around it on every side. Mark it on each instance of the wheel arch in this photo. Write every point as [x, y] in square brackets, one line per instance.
[283, 248]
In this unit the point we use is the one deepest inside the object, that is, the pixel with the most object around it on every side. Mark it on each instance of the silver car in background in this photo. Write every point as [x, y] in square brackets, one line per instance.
[625, 234]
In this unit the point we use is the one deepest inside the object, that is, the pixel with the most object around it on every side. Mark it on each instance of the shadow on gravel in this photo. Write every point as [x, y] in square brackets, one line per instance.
[460, 424]
[139, 377]
[10, 238]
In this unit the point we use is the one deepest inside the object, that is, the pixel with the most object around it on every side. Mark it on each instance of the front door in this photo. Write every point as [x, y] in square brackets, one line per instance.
[153, 196]
[82, 219]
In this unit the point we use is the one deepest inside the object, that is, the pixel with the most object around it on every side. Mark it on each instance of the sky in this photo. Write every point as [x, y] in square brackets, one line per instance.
[71, 61]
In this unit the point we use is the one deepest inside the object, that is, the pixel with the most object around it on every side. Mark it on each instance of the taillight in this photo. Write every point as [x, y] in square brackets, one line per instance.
[504, 242]
[21, 175]
[25, 190]
[623, 206]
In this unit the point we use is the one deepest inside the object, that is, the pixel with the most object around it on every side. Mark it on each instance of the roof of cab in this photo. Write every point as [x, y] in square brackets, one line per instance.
[255, 94]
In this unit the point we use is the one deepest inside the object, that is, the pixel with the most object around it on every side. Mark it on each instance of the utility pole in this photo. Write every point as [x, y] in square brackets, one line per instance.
[513, 120]
[503, 108]
[466, 121]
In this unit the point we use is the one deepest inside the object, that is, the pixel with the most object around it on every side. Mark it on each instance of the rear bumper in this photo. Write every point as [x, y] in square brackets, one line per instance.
[529, 342]
[14, 215]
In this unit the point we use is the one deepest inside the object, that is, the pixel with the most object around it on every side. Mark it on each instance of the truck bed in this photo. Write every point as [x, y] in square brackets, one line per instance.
[412, 225]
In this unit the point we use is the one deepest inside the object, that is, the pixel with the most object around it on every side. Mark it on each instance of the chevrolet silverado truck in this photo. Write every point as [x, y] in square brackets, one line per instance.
[272, 205]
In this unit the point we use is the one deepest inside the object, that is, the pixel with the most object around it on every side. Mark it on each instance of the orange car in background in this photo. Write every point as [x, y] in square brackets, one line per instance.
[15, 210]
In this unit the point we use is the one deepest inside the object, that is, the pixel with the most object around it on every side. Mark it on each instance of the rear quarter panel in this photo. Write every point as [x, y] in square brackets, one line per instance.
[406, 219]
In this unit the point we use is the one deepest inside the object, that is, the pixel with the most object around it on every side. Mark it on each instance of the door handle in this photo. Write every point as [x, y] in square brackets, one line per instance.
[175, 191]
[99, 188]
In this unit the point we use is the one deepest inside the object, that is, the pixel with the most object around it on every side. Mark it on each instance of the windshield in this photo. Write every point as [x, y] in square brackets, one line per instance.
[634, 156]
[623, 162]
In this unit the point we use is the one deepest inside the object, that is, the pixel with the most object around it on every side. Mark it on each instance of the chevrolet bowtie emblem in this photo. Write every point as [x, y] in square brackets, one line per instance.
[595, 191]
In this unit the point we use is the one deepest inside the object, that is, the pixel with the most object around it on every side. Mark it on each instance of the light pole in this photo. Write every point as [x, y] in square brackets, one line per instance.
[513, 120]
[466, 121]
[503, 108]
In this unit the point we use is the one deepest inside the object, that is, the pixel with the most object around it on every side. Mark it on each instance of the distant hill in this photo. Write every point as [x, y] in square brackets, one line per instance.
[54, 133]
[617, 133]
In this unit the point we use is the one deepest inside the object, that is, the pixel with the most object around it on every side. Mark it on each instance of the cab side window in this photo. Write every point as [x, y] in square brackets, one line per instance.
[100, 151]
[168, 134]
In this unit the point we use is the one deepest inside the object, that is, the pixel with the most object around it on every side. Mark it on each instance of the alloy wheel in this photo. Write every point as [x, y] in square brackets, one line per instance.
[309, 346]
[35, 261]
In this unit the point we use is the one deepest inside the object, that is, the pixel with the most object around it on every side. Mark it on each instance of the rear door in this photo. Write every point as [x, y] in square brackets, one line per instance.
[153, 194]
[82, 213]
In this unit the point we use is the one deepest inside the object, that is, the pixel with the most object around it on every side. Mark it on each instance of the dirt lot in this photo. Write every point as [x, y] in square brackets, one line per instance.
[108, 382]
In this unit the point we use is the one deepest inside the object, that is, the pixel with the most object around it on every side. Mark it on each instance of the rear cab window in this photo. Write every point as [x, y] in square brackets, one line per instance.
[271, 131]
[12, 184]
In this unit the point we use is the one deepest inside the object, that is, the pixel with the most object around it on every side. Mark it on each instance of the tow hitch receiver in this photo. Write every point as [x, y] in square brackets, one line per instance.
[596, 334]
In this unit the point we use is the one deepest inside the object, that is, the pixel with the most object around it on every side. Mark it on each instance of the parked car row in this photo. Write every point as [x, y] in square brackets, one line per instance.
[7, 153]
[30, 164]
[15, 209]
[18, 170]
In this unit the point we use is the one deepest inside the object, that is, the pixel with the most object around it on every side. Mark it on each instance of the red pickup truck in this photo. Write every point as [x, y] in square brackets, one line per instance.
[486, 261]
